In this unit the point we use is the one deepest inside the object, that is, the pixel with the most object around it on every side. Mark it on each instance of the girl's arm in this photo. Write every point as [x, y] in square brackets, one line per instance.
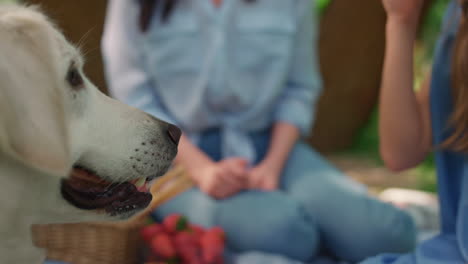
[404, 125]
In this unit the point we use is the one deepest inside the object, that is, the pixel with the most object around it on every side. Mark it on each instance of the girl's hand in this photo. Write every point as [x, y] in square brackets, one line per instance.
[222, 179]
[403, 11]
[265, 176]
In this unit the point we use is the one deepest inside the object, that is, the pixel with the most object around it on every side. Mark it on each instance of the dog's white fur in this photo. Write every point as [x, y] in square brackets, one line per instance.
[47, 126]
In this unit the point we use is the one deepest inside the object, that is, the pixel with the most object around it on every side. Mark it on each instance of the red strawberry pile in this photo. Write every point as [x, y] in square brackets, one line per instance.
[176, 241]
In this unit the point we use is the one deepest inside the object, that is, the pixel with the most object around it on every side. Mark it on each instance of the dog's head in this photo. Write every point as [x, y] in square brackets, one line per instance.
[54, 119]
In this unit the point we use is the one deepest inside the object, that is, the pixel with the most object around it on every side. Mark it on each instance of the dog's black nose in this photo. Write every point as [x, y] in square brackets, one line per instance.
[174, 133]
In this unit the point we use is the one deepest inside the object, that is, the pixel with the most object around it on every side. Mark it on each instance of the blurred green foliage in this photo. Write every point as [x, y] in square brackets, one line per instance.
[321, 5]
[431, 26]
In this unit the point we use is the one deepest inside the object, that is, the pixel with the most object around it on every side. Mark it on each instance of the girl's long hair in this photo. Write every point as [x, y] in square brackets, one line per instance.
[148, 7]
[458, 123]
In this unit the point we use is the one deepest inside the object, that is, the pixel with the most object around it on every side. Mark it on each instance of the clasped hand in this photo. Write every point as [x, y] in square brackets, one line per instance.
[228, 177]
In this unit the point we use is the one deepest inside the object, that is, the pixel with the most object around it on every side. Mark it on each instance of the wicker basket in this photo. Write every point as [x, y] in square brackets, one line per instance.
[107, 242]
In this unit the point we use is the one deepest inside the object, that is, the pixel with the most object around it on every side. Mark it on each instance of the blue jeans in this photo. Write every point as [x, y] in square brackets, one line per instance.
[316, 207]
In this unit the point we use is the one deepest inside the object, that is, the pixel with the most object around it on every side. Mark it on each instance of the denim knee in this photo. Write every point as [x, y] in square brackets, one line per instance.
[269, 222]
[394, 233]
[400, 234]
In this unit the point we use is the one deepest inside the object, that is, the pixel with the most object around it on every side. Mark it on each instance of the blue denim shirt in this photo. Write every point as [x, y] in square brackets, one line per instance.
[238, 68]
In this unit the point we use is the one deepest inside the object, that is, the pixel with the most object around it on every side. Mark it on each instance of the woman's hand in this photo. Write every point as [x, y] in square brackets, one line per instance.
[218, 179]
[222, 179]
[265, 176]
[403, 11]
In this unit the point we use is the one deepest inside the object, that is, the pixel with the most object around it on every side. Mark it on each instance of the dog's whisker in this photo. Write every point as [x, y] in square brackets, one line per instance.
[84, 38]
[85, 53]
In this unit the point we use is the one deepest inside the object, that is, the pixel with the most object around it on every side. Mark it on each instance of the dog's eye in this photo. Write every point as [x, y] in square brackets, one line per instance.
[74, 78]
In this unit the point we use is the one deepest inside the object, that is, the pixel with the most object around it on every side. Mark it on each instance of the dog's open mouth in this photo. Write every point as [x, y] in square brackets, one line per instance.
[86, 190]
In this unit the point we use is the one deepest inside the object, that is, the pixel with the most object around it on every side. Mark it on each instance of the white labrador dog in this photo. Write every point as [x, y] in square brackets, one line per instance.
[54, 123]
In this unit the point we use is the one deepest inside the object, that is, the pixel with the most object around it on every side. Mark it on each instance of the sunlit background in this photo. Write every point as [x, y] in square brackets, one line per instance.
[357, 152]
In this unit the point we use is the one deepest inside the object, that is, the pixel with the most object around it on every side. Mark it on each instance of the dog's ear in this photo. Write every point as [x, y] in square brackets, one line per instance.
[32, 116]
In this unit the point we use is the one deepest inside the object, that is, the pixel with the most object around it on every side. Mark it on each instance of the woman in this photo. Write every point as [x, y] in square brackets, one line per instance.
[411, 124]
[240, 78]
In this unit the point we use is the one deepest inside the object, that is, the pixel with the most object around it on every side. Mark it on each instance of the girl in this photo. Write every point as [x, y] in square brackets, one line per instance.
[240, 78]
[411, 124]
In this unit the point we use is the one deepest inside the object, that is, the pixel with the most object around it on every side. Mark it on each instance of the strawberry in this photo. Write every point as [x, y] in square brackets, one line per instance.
[162, 246]
[212, 245]
[186, 245]
[198, 230]
[173, 260]
[219, 232]
[151, 259]
[219, 260]
[185, 238]
[194, 261]
[189, 254]
[148, 232]
[175, 222]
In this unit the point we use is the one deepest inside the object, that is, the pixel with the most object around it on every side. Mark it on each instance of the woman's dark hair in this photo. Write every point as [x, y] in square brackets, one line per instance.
[147, 8]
